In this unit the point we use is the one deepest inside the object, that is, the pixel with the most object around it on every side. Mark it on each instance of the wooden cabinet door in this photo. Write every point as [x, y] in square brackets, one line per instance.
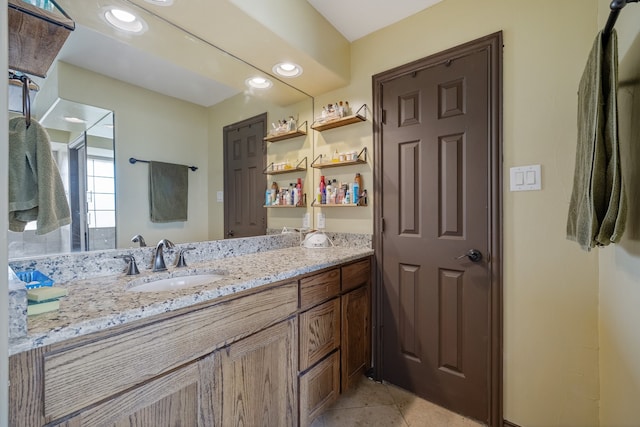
[319, 388]
[319, 332]
[258, 379]
[183, 397]
[356, 335]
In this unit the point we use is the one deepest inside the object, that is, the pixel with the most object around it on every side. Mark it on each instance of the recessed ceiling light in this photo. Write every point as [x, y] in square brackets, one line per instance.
[259, 82]
[74, 119]
[160, 2]
[287, 69]
[124, 20]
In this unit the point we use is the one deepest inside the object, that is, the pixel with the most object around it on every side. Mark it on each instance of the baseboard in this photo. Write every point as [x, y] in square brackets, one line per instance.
[506, 423]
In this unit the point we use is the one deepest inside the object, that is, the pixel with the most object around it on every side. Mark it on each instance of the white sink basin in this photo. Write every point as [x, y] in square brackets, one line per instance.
[173, 283]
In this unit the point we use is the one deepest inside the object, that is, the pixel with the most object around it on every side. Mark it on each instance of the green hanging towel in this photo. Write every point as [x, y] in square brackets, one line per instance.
[597, 210]
[168, 191]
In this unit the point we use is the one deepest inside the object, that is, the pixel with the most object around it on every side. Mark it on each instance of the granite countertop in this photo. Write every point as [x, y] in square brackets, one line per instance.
[99, 303]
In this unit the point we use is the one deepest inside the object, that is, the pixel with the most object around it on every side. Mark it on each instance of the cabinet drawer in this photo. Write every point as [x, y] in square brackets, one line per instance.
[318, 288]
[356, 274]
[81, 376]
[319, 332]
[319, 388]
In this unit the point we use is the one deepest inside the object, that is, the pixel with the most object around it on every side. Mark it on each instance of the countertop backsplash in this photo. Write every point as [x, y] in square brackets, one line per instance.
[85, 265]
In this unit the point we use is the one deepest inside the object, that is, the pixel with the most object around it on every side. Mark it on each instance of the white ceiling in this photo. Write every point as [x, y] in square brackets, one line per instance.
[372, 15]
[121, 60]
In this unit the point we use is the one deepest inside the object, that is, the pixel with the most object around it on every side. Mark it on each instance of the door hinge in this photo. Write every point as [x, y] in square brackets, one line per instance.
[382, 224]
[384, 117]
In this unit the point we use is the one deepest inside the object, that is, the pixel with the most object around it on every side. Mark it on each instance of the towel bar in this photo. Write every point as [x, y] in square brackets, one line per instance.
[133, 160]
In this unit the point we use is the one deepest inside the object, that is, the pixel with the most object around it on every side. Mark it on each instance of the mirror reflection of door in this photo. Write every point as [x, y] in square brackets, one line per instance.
[76, 132]
[92, 188]
[245, 158]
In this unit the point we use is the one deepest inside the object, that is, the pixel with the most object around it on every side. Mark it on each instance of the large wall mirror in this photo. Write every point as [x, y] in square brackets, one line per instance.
[166, 95]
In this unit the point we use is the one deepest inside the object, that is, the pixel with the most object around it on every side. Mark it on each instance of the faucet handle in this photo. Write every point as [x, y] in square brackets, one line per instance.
[132, 267]
[180, 262]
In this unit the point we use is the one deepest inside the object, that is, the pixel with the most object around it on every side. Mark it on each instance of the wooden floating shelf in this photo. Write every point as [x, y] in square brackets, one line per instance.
[284, 206]
[336, 164]
[270, 172]
[338, 205]
[362, 158]
[336, 123]
[297, 168]
[288, 135]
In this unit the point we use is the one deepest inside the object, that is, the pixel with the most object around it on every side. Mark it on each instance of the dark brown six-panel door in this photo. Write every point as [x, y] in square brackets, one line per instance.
[435, 187]
[244, 182]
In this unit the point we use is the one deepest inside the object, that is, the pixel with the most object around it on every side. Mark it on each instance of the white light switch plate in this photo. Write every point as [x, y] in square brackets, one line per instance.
[320, 225]
[306, 219]
[220, 197]
[526, 178]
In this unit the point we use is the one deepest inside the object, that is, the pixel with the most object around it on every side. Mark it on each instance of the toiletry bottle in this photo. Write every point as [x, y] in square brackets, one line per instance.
[355, 191]
[299, 187]
[267, 197]
[358, 179]
[336, 157]
[323, 191]
[329, 190]
[291, 195]
[274, 192]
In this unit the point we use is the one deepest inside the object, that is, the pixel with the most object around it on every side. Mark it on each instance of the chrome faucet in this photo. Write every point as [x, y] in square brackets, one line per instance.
[158, 257]
[138, 238]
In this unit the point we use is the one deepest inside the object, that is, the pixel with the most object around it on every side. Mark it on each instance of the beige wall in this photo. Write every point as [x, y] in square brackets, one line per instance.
[620, 265]
[149, 126]
[550, 285]
[239, 108]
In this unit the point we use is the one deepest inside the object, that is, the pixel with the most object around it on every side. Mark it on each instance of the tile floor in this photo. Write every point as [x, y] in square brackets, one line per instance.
[373, 404]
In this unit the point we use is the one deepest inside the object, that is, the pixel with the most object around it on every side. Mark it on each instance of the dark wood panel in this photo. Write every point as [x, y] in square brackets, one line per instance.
[407, 299]
[355, 341]
[252, 146]
[319, 388]
[409, 191]
[170, 400]
[451, 322]
[356, 274]
[319, 287]
[253, 208]
[238, 176]
[319, 332]
[451, 167]
[259, 380]
[409, 109]
[26, 376]
[451, 98]
[237, 149]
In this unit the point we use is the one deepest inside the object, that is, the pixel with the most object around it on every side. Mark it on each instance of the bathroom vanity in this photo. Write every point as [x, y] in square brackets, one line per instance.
[272, 349]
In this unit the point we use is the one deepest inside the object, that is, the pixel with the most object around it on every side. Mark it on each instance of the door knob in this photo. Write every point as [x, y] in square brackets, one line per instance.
[230, 233]
[474, 255]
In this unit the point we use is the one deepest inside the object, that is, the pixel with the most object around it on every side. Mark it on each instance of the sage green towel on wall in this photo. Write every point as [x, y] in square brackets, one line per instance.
[598, 210]
[168, 192]
[36, 192]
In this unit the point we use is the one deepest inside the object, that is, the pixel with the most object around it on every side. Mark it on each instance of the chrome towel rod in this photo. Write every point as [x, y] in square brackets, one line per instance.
[133, 160]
